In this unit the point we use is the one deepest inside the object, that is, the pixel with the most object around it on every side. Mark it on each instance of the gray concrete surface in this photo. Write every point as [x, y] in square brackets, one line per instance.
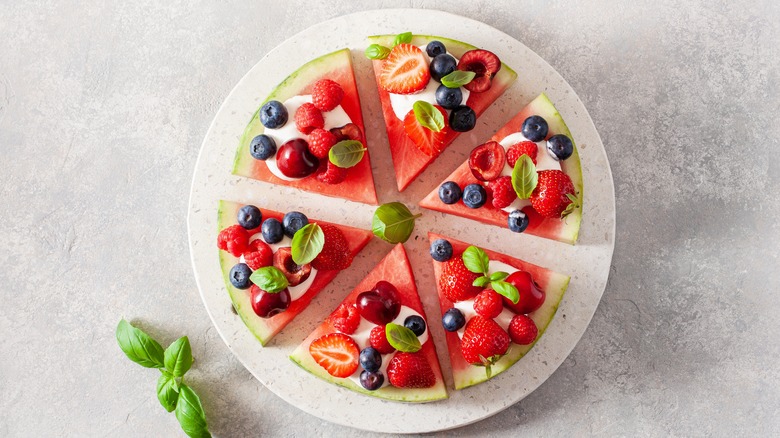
[103, 106]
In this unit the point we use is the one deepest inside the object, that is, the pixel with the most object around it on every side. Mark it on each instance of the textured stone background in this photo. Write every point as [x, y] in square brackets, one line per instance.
[103, 106]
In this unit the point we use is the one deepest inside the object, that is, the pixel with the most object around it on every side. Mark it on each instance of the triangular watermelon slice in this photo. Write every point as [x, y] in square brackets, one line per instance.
[394, 268]
[553, 284]
[564, 230]
[266, 328]
[336, 66]
[409, 161]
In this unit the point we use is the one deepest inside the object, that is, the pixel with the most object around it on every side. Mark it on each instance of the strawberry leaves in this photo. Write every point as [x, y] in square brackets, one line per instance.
[575, 203]
[477, 261]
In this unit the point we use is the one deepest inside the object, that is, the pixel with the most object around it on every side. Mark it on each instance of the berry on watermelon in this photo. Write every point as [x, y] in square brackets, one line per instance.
[334, 254]
[517, 150]
[484, 342]
[326, 94]
[337, 353]
[429, 142]
[345, 318]
[522, 330]
[549, 198]
[233, 239]
[258, 255]
[456, 281]
[378, 339]
[405, 70]
[410, 370]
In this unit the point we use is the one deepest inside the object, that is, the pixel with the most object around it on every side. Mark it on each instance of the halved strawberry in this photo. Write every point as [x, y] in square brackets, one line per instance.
[410, 370]
[549, 197]
[335, 253]
[429, 142]
[405, 71]
[337, 353]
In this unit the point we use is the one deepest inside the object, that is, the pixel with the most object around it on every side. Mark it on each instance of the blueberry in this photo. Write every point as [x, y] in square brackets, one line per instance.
[435, 48]
[453, 320]
[517, 221]
[370, 359]
[560, 147]
[273, 231]
[442, 65]
[463, 119]
[449, 98]
[273, 114]
[239, 276]
[250, 217]
[262, 147]
[294, 221]
[450, 192]
[416, 324]
[371, 381]
[474, 196]
[534, 128]
[441, 250]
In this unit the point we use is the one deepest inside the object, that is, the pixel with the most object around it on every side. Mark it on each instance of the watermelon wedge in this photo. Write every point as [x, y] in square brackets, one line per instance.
[408, 160]
[553, 284]
[337, 66]
[394, 268]
[265, 329]
[564, 230]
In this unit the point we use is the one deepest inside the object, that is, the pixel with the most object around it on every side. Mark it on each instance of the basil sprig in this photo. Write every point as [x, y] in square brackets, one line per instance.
[173, 363]
[393, 222]
[477, 261]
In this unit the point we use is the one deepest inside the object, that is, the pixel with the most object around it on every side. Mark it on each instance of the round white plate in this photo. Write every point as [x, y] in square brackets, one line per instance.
[587, 263]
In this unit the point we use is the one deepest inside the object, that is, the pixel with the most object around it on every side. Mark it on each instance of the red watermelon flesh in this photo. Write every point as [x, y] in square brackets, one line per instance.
[554, 285]
[408, 160]
[266, 328]
[336, 66]
[394, 268]
[564, 230]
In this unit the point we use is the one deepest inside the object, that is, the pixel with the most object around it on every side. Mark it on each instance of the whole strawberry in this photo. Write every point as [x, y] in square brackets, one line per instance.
[456, 281]
[308, 118]
[549, 197]
[335, 254]
[326, 94]
[410, 370]
[484, 342]
[523, 330]
[517, 150]
[503, 192]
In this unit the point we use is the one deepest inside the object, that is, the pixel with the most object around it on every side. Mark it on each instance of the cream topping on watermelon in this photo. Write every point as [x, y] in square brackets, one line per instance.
[334, 118]
[298, 290]
[543, 162]
[467, 306]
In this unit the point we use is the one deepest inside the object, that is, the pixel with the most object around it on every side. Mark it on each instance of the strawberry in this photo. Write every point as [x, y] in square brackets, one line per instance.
[483, 342]
[329, 173]
[503, 193]
[337, 353]
[378, 340]
[523, 330]
[233, 239]
[456, 282]
[258, 255]
[326, 94]
[517, 150]
[410, 370]
[308, 118]
[429, 142]
[488, 304]
[405, 70]
[549, 197]
[320, 142]
[335, 254]
[345, 318]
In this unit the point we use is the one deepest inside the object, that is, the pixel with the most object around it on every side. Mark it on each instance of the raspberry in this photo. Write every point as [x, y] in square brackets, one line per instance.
[517, 150]
[258, 255]
[327, 94]
[308, 118]
[523, 330]
[329, 173]
[502, 191]
[345, 319]
[320, 142]
[488, 304]
[378, 340]
[233, 239]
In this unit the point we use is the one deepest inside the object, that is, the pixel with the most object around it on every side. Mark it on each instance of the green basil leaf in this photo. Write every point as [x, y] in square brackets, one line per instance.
[428, 116]
[573, 205]
[402, 338]
[307, 244]
[347, 153]
[476, 260]
[166, 392]
[481, 281]
[498, 276]
[138, 346]
[402, 38]
[458, 78]
[269, 279]
[190, 414]
[178, 357]
[393, 222]
[506, 289]
[375, 51]
[524, 177]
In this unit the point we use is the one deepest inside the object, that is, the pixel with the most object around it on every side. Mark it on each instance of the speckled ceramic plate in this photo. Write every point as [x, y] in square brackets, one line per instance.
[587, 263]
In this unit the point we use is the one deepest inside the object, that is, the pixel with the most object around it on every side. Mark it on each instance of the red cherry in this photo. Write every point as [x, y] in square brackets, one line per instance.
[379, 305]
[295, 160]
[350, 131]
[266, 304]
[487, 161]
[531, 295]
[295, 273]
